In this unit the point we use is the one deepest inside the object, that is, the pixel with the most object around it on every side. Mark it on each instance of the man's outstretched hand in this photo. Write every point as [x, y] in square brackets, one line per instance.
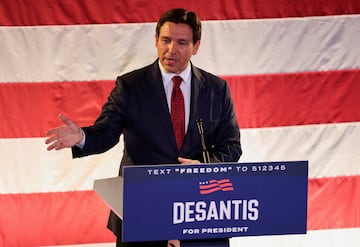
[64, 136]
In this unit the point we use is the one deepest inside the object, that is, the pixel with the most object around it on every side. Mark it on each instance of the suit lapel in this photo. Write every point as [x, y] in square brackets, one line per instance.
[158, 97]
[198, 98]
[197, 88]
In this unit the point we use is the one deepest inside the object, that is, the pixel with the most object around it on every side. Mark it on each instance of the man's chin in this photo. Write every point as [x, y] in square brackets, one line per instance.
[170, 68]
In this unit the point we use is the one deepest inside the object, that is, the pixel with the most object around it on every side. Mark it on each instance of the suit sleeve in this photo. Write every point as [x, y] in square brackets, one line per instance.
[226, 147]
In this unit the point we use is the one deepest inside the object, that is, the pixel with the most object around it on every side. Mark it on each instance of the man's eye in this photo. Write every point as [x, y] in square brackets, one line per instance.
[183, 42]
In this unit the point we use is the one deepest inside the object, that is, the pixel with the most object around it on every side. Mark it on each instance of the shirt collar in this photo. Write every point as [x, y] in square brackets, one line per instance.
[167, 76]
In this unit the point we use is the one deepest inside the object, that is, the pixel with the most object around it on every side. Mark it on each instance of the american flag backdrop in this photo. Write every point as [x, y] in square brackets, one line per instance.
[293, 68]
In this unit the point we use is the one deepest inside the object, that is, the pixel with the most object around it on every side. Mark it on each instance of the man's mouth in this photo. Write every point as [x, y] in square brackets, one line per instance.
[172, 60]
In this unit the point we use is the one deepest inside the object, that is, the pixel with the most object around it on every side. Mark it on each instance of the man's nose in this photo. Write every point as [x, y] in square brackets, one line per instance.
[172, 47]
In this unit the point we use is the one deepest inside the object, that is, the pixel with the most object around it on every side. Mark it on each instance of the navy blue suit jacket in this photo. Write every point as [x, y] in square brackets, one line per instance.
[137, 108]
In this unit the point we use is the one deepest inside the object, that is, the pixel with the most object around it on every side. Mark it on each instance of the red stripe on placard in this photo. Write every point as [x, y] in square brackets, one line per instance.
[44, 219]
[81, 217]
[68, 12]
[30, 109]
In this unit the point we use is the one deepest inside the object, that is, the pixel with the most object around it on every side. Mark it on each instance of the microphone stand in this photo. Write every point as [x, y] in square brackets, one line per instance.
[205, 153]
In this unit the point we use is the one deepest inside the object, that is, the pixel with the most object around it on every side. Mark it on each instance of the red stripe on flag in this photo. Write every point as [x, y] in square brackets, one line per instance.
[334, 203]
[296, 99]
[30, 109]
[68, 12]
[81, 217]
[53, 219]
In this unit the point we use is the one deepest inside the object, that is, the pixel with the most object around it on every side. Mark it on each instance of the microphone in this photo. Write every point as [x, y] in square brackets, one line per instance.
[205, 153]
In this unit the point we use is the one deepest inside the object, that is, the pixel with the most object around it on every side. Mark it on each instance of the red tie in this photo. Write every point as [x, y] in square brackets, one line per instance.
[178, 111]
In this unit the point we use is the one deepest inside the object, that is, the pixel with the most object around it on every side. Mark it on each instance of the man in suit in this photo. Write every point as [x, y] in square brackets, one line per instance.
[140, 108]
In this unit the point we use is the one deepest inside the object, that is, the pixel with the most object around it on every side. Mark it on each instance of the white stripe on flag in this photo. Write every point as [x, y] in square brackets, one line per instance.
[328, 147]
[38, 170]
[349, 237]
[96, 52]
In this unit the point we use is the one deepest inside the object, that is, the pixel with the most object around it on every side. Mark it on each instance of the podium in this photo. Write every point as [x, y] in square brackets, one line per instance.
[208, 202]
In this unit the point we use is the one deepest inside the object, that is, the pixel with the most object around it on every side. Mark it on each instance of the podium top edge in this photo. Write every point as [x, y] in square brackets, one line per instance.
[220, 163]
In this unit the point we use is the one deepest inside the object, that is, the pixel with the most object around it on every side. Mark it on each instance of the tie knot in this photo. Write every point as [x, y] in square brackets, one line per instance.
[177, 81]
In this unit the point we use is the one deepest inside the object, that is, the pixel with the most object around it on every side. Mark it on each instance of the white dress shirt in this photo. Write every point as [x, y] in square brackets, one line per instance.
[185, 89]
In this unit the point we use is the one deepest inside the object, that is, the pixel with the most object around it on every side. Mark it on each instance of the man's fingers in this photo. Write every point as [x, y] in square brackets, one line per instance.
[51, 147]
[59, 145]
[187, 161]
[51, 132]
[56, 145]
[62, 117]
[65, 120]
[173, 243]
[50, 139]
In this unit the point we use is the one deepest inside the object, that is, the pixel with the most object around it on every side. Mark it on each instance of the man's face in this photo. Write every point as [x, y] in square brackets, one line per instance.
[175, 46]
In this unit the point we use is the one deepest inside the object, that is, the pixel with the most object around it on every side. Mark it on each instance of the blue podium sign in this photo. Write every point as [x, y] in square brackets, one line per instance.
[214, 200]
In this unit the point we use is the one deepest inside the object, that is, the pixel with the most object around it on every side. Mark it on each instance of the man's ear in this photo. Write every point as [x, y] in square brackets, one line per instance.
[196, 47]
[156, 39]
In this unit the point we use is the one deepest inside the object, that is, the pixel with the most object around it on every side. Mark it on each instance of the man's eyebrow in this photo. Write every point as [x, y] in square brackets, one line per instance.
[165, 37]
[179, 40]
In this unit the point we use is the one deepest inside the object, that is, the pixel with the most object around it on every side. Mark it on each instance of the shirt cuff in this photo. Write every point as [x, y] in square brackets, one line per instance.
[81, 144]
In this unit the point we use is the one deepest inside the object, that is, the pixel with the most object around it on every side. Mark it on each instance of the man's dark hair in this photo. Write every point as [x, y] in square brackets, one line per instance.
[181, 16]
